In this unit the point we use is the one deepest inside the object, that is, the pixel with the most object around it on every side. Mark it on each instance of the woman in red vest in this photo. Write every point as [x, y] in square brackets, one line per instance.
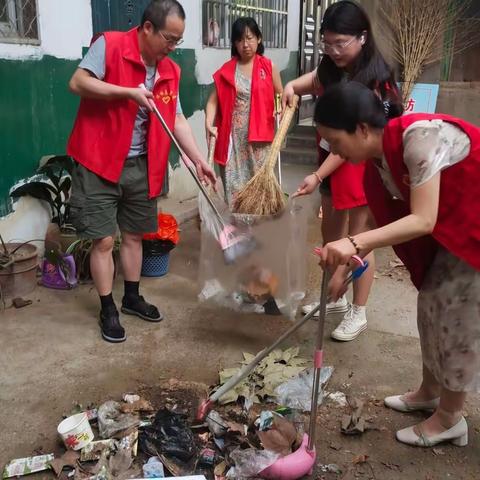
[351, 53]
[240, 110]
[422, 187]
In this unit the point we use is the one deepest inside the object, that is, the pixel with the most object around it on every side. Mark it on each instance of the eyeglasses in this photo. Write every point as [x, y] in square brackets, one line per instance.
[336, 47]
[247, 39]
[174, 42]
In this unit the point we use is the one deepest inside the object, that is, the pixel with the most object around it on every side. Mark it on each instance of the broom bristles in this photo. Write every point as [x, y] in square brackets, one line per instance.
[262, 194]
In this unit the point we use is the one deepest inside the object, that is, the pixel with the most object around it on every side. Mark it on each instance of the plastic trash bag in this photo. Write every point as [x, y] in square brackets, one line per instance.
[250, 462]
[167, 229]
[169, 434]
[297, 392]
[274, 270]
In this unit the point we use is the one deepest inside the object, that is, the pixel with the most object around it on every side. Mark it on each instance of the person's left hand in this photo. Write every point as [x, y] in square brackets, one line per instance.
[338, 253]
[206, 174]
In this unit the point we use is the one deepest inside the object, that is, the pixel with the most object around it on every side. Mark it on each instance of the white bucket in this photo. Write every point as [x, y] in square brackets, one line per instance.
[75, 431]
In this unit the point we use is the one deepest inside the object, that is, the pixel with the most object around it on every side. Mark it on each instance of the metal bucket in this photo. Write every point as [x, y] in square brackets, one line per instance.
[20, 278]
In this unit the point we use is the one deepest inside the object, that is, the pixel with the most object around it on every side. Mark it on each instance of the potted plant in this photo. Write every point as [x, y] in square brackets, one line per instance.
[52, 184]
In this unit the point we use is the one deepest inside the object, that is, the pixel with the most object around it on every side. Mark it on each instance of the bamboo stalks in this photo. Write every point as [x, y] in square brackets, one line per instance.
[415, 31]
[262, 195]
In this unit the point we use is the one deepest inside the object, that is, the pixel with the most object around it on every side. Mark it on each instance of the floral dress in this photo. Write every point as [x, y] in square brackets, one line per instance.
[244, 158]
[448, 311]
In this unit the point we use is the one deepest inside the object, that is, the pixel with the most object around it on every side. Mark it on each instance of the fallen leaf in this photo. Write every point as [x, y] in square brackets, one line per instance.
[360, 459]
[19, 302]
[392, 466]
[138, 406]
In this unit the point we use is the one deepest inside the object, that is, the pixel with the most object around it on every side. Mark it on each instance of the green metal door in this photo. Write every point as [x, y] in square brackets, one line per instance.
[116, 14]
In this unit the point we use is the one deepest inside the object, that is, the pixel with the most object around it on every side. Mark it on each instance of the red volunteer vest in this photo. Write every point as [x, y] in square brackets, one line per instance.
[261, 122]
[458, 224]
[102, 133]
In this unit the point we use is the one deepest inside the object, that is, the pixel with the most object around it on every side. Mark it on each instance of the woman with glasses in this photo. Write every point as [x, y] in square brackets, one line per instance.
[350, 53]
[240, 110]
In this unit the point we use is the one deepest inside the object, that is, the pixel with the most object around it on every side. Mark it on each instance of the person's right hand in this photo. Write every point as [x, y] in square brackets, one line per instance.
[210, 132]
[143, 97]
[308, 185]
[287, 96]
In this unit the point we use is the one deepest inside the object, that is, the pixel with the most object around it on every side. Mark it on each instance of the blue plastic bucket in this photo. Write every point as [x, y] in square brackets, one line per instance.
[155, 265]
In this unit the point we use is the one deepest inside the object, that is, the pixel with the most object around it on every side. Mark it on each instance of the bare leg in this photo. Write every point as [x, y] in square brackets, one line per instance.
[428, 390]
[360, 221]
[101, 265]
[131, 256]
[334, 222]
[448, 413]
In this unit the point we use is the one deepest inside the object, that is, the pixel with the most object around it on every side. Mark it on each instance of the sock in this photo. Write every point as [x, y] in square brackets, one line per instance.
[107, 301]
[131, 289]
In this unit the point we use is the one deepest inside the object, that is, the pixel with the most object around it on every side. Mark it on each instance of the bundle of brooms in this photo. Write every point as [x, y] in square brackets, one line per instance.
[262, 194]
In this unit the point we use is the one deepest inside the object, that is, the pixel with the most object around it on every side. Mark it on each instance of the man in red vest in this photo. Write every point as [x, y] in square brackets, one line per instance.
[122, 154]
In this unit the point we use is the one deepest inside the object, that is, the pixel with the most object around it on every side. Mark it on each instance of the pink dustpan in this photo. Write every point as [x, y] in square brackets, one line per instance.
[293, 466]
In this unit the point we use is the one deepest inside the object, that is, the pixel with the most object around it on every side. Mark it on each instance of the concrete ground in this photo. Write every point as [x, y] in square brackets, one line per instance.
[52, 357]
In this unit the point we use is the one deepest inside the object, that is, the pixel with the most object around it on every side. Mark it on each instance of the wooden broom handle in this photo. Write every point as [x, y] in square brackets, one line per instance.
[211, 149]
[281, 134]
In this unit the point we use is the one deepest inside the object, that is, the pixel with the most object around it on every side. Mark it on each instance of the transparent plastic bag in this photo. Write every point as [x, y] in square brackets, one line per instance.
[274, 270]
[250, 462]
[297, 392]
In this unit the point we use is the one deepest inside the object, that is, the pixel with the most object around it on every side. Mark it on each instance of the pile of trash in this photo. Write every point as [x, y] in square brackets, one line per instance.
[129, 440]
[240, 439]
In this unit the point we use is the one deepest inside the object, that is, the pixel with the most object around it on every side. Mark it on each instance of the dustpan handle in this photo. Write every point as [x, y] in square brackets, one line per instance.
[185, 159]
[318, 359]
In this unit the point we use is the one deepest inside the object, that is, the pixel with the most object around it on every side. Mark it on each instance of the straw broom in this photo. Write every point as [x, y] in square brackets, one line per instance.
[262, 194]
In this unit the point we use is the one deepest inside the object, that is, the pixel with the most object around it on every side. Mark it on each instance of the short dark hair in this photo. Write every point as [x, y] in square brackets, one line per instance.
[347, 17]
[344, 105]
[157, 12]
[239, 27]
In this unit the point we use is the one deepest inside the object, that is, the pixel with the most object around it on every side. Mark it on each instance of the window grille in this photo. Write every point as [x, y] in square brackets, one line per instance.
[218, 16]
[18, 21]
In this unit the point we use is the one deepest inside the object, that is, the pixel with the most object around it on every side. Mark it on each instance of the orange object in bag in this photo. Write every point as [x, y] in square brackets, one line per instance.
[167, 229]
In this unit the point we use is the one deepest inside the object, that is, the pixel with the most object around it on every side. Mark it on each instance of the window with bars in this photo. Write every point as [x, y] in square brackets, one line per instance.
[218, 16]
[18, 21]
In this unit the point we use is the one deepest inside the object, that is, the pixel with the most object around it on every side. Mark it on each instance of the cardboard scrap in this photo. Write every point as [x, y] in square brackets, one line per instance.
[68, 459]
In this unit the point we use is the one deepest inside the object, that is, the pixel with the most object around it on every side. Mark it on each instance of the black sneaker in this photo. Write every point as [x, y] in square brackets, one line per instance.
[112, 331]
[139, 307]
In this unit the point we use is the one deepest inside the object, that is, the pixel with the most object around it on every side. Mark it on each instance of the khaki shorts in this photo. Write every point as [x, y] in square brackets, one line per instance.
[97, 206]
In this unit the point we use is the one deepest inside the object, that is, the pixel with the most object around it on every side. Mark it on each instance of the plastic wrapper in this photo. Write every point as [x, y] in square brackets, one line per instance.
[250, 462]
[24, 466]
[112, 421]
[274, 269]
[297, 392]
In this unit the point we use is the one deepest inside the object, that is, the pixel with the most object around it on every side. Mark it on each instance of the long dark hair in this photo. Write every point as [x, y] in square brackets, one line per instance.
[347, 17]
[344, 105]
[239, 27]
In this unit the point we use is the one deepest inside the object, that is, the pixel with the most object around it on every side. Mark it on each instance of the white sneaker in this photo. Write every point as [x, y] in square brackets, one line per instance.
[340, 306]
[353, 324]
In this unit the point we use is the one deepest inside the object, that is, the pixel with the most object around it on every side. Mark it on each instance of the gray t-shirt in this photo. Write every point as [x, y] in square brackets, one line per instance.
[94, 62]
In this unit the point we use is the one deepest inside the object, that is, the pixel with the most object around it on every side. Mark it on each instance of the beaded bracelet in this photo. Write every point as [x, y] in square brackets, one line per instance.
[354, 243]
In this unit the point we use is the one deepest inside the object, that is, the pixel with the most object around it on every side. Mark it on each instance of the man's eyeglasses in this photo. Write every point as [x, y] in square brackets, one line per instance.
[174, 42]
[338, 47]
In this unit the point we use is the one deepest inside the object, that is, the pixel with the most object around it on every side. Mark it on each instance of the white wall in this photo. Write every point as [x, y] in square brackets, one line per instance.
[65, 26]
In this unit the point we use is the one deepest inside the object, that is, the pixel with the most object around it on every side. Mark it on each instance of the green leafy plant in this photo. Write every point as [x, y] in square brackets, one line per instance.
[51, 184]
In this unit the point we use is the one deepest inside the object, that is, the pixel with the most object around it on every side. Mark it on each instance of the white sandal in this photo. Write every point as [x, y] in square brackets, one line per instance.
[400, 404]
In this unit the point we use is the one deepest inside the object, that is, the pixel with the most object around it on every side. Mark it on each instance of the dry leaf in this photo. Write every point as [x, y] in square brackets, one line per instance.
[360, 459]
